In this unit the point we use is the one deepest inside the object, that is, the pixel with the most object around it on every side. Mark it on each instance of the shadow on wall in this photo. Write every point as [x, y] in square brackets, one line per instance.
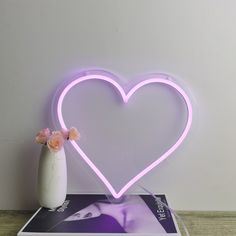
[26, 176]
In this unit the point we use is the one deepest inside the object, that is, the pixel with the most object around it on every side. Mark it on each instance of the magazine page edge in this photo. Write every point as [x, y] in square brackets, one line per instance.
[173, 217]
[22, 228]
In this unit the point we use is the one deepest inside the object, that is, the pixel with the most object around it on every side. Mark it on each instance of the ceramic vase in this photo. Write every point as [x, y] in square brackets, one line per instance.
[52, 178]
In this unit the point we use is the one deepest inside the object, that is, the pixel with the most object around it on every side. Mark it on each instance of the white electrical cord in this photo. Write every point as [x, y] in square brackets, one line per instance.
[170, 209]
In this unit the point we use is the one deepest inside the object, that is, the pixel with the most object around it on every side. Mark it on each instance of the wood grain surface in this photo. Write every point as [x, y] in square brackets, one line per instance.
[198, 223]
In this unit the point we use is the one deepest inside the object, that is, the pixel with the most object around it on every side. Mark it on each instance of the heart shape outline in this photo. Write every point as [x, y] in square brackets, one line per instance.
[108, 77]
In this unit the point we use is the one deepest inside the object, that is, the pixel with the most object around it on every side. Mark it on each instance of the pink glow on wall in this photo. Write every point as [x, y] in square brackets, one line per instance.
[126, 96]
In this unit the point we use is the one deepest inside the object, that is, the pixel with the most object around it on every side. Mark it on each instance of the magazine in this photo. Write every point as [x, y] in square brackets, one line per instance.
[98, 214]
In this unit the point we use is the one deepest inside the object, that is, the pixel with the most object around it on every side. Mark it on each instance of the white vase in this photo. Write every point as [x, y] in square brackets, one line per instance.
[52, 178]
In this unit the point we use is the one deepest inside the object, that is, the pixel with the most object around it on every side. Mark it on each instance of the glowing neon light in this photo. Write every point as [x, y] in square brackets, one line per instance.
[126, 97]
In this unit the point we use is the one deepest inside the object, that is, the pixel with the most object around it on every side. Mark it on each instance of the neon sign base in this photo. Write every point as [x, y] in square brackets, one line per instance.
[94, 214]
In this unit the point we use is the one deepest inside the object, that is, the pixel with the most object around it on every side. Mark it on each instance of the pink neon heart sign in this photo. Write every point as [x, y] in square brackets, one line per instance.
[106, 77]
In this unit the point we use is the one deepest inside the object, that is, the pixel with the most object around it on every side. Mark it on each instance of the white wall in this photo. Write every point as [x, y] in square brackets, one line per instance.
[44, 42]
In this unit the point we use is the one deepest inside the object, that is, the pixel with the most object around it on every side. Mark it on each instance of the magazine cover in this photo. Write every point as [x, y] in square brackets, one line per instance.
[86, 214]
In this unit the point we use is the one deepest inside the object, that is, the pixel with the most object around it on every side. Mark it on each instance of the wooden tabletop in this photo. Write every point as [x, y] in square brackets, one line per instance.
[198, 223]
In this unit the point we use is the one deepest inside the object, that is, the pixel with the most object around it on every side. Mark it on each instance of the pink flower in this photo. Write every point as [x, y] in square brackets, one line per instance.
[55, 142]
[73, 134]
[55, 139]
[65, 134]
[57, 133]
[42, 136]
